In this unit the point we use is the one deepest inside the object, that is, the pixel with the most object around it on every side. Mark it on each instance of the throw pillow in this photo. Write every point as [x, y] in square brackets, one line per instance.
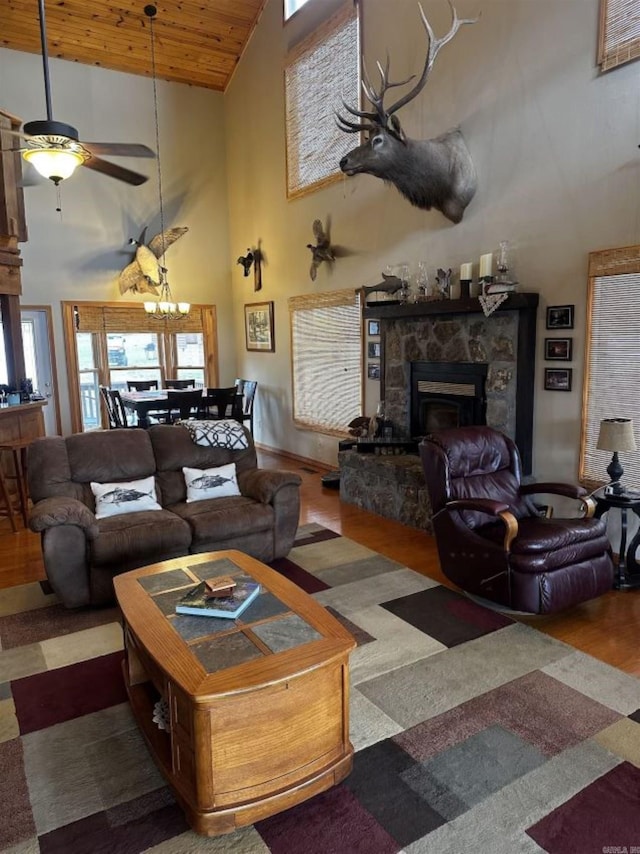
[125, 497]
[211, 483]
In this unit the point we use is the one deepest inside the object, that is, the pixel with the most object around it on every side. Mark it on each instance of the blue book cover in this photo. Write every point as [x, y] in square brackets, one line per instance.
[196, 601]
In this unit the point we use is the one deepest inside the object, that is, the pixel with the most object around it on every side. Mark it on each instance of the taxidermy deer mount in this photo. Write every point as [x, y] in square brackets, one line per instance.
[433, 173]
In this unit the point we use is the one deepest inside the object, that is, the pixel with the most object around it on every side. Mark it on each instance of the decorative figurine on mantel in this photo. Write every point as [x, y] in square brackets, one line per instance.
[444, 282]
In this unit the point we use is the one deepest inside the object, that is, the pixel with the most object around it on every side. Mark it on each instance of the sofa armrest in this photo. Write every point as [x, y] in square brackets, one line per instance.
[567, 490]
[53, 512]
[492, 508]
[262, 484]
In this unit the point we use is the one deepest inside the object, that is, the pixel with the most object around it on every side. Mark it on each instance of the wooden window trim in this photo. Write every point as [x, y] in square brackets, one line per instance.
[137, 321]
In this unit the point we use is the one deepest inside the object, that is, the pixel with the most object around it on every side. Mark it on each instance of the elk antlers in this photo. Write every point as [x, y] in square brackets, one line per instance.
[385, 118]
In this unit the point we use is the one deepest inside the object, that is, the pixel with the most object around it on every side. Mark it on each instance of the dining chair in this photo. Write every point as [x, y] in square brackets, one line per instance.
[247, 388]
[142, 385]
[105, 392]
[184, 404]
[116, 412]
[223, 403]
[180, 383]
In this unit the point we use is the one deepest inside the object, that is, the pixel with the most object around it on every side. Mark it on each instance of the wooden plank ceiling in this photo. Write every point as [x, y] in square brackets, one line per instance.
[196, 41]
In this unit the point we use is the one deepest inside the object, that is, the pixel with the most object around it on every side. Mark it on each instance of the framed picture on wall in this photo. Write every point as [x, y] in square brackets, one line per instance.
[558, 349]
[373, 371]
[374, 327]
[557, 379]
[258, 326]
[560, 317]
[373, 349]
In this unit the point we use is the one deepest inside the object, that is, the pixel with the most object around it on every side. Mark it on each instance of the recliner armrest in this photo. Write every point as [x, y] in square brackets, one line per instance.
[263, 484]
[493, 508]
[52, 512]
[567, 490]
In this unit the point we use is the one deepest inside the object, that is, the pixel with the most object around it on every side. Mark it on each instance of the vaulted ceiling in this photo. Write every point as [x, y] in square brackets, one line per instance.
[196, 41]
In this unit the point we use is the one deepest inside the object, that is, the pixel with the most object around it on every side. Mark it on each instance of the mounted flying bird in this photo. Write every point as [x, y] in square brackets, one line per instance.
[142, 275]
[433, 173]
[322, 250]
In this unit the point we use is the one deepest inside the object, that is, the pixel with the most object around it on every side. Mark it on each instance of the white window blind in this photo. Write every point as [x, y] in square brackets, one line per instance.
[619, 32]
[612, 375]
[320, 71]
[326, 346]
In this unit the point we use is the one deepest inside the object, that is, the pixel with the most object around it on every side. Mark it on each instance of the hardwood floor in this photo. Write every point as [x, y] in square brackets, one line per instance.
[607, 628]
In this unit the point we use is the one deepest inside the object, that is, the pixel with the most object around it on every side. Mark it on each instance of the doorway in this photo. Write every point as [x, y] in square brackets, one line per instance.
[39, 361]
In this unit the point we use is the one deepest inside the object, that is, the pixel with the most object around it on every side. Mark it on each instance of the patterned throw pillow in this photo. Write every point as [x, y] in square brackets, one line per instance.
[211, 483]
[225, 433]
[125, 497]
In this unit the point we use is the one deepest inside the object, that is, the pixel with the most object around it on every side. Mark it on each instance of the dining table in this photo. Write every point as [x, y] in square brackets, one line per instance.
[156, 401]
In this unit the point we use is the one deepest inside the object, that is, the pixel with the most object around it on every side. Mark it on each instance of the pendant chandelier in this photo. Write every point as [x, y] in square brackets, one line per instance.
[165, 308]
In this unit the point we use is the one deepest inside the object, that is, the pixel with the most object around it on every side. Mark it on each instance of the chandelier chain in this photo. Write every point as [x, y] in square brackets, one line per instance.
[157, 127]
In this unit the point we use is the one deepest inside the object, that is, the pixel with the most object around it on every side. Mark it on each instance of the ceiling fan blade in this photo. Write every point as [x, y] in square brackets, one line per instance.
[115, 171]
[118, 149]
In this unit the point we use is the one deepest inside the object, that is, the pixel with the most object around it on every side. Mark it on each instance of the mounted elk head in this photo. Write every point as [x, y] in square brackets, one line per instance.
[433, 173]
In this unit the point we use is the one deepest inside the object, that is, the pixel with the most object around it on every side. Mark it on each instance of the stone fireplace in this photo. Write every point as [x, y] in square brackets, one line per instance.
[444, 364]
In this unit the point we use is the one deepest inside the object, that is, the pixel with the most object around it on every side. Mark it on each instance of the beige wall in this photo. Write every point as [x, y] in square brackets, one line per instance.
[78, 254]
[554, 143]
[555, 146]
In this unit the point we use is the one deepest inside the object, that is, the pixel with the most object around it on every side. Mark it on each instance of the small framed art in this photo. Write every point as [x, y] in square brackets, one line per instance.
[258, 326]
[560, 317]
[373, 349]
[558, 349]
[373, 371]
[557, 379]
[374, 327]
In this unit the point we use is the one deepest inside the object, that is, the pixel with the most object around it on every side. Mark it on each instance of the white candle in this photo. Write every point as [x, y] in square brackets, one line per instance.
[486, 265]
[466, 272]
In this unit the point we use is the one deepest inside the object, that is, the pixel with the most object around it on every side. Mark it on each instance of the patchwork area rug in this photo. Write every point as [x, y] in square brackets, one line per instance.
[473, 733]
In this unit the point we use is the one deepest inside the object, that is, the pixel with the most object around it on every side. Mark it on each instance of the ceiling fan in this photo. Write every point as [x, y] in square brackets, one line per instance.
[54, 147]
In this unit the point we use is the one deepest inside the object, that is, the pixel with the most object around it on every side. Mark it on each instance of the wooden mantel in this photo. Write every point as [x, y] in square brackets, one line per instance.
[522, 302]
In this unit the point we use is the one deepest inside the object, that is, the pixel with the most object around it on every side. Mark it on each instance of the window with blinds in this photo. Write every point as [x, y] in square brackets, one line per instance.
[319, 72]
[619, 40]
[326, 351]
[612, 369]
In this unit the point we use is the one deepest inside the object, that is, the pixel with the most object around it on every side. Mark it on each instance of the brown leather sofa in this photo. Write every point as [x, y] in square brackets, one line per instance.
[492, 539]
[82, 553]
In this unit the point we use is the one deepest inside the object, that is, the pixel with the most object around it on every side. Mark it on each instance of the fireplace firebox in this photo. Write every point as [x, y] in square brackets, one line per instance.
[446, 394]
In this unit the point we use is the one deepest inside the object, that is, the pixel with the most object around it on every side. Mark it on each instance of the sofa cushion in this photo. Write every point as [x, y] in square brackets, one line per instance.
[224, 518]
[151, 535]
[210, 483]
[131, 496]
[110, 455]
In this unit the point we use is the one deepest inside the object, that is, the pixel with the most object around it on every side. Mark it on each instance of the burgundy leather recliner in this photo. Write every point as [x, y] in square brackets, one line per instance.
[492, 539]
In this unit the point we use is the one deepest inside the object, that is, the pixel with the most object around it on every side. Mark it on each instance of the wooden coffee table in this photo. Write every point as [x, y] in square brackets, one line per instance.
[258, 707]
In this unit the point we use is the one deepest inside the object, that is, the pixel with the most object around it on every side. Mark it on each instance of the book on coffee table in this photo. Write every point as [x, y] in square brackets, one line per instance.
[199, 601]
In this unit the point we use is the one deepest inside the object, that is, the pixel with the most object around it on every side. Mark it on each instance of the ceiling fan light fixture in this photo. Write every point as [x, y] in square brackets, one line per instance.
[54, 163]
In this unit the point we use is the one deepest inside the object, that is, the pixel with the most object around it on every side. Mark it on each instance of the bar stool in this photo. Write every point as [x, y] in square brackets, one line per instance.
[18, 450]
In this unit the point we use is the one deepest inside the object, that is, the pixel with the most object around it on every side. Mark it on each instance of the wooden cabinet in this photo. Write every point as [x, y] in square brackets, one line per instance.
[13, 229]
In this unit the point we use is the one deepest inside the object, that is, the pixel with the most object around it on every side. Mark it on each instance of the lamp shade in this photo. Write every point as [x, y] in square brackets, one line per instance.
[616, 434]
[54, 163]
